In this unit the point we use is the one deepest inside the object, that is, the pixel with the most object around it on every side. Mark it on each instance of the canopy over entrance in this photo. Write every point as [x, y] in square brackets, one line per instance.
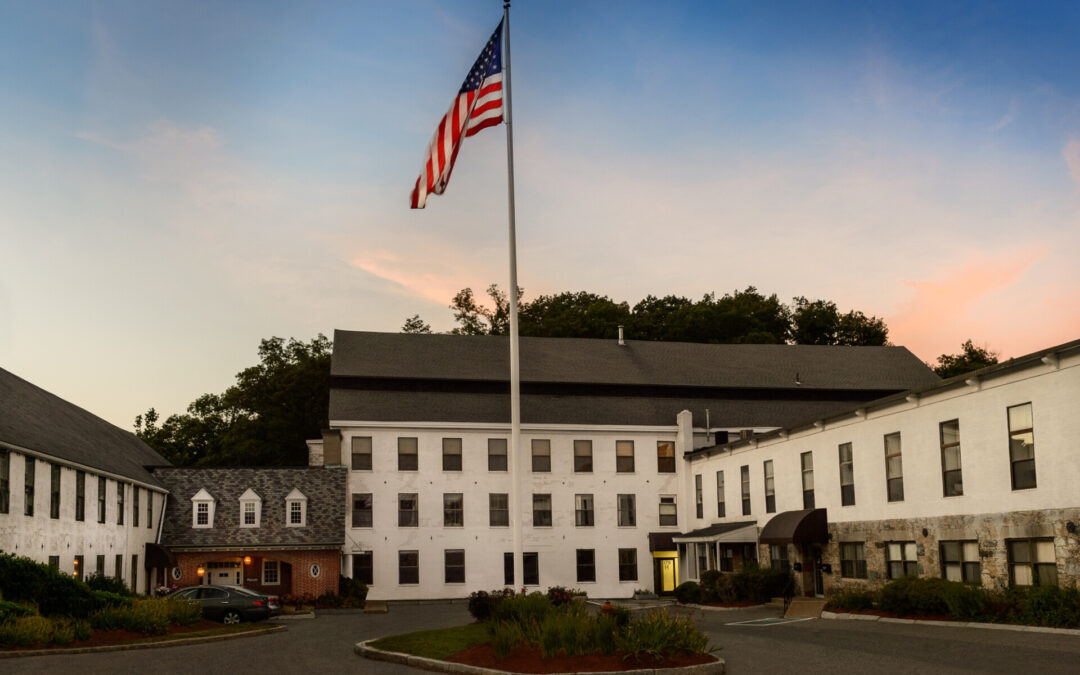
[808, 526]
[157, 556]
[744, 532]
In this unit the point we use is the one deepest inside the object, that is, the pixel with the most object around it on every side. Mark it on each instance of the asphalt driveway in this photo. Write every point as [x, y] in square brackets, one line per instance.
[324, 645]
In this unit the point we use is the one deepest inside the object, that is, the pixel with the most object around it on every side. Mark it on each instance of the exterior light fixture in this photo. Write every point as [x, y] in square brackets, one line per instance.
[200, 571]
[247, 560]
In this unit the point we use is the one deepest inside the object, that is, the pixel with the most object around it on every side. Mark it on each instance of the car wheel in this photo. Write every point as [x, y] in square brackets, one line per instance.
[231, 617]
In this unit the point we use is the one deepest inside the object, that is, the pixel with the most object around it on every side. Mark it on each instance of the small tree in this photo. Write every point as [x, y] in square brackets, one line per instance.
[970, 358]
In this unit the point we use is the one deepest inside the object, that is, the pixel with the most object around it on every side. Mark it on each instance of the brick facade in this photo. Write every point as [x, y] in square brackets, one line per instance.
[294, 570]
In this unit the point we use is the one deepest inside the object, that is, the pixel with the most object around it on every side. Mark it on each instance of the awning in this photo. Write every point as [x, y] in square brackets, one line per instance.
[796, 527]
[158, 556]
[745, 532]
[661, 541]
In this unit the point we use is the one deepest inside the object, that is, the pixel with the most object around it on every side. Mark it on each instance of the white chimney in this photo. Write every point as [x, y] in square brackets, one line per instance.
[622, 342]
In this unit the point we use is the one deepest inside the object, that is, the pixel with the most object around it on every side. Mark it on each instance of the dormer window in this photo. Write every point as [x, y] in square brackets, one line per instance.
[296, 509]
[250, 509]
[202, 511]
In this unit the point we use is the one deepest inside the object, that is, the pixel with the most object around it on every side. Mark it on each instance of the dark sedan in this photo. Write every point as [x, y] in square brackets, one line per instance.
[228, 604]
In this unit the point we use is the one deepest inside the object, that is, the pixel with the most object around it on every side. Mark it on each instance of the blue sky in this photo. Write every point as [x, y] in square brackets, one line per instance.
[181, 179]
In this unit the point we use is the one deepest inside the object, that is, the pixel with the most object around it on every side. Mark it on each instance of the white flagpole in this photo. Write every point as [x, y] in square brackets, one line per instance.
[515, 374]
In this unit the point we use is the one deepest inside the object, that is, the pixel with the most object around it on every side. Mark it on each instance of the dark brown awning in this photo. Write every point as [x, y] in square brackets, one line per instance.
[158, 556]
[808, 526]
[661, 541]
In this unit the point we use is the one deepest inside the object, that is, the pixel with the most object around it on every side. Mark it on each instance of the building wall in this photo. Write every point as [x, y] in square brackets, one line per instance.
[989, 509]
[485, 545]
[301, 581]
[40, 536]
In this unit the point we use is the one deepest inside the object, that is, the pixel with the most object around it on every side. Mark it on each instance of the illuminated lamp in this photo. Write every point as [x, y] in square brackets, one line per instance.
[200, 571]
[247, 560]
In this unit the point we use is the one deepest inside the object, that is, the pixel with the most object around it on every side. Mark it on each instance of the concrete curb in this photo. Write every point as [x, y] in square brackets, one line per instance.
[368, 652]
[140, 645]
[708, 608]
[846, 616]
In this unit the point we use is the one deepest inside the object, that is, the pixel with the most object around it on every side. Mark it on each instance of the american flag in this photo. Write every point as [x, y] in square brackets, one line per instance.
[478, 105]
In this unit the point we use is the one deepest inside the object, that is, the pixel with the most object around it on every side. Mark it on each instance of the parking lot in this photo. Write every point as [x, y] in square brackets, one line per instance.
[325, 645]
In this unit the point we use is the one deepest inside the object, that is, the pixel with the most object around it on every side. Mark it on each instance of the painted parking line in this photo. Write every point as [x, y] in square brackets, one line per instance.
[768, 622]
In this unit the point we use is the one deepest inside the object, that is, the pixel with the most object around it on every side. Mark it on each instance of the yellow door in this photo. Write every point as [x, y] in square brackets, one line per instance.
[667, 575]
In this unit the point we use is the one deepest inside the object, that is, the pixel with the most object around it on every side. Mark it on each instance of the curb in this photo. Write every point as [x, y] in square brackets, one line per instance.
[363, 649]
[708, 608]
[846, 616]
[159, 644]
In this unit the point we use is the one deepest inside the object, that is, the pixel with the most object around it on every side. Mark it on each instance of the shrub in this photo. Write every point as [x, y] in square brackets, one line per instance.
[110, 599]
[182, 612]
[26, 632]
[964, 601]
[725, 588]
[505, 635]
[760, 584]
[1052, 606]
[528, 611]
[100, 582]
[353, 591]
[559, 595]
[912, 595]
[659, 634]
[688, 591]
[9, 611]
[709, 581]
[482, 604]
[62, 632]
[329, 600]
[852, 600]
[149, 616]
[56, 593]
[81, 628]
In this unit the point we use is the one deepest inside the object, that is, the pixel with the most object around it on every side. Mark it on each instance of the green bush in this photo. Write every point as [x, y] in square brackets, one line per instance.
[912, 595]
[725, 588]
[55, 593]
[525, 610]
[100, 582]
[182, 612]
[688, 592]
[1052, 606]
[110, 599]
[353, 592]
[149, 616]
[709, 581]
[482, 604]
[761, 584]
[964, 601]
[9, 611]
[329, 600]
[26, 631]
[852, 600]
[505, 635]
[659, 634]
[559, 595]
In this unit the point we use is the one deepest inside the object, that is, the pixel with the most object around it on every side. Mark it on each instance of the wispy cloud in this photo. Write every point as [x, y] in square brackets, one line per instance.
[1008, 118]
[1071, 153]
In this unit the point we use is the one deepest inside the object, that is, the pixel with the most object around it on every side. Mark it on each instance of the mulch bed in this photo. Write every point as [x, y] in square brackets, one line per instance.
[529, 660]
[101, 638]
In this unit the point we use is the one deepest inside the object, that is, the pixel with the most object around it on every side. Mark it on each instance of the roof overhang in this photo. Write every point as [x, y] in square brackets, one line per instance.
[739, 533]
[157, 556]
[661, 541]
[808, 526]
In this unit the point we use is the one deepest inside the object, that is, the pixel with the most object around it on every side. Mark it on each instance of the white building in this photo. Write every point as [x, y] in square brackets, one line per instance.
[76, 491]
[972, 478]
[423, 423]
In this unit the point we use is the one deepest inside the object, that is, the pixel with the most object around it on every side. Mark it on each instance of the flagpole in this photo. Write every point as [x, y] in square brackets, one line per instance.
[515, 374]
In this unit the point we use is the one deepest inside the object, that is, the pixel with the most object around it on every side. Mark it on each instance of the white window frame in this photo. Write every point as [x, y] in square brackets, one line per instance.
[295, 497]
[274, 565]
[202, 498]
[250, 497]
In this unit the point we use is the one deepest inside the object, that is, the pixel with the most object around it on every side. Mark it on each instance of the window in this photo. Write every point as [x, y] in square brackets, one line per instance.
[627, 564]
[744, 476]
[699, 497]
[1021, 447]
[894, 468]
[669, 514]
[454, 566]
[78, 568]
[134, 573]
[847, 475]
[451, 454]
[583, 510]
[361, 453]
[853, 560]
[54, 491]
[952, 478]
[271, 572]
[54, 562]
[361, 510]
[624, 456]
[1032, 562]
[250, 509]
[627, 510]
[901, 559]
[408, 510]
[118, 568]
[702, 558]
[28, 486]
[100, 562]
[80, 496]
[583, 456]
[406, 454]
[135, 505]
[5, 480]
[364, 567]
[665, 457]
[453, 509]
[586, 564]
[295, 509]
[408, 567]
[770, 487]
[498, 509]
[960, 561]
[778, 557]
[508, 569]
[721, 510]
[807, 460]
[120, 489]
[541, 455]
[496, 454]
[530, 569]
[101, 499]
[541, 510]
[202, 514]
[727, 559]
[149, 508]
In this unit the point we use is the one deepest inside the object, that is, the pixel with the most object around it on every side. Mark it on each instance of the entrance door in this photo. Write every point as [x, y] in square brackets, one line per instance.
[667, 575]
[819, 581]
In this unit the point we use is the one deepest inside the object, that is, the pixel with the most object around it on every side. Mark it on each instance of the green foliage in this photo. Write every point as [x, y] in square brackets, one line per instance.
[182, 612]
[482, 604]
[26, 632]
[353, 592]
[100, 582]
[970, 358]
[525, 610]
[913, 595]
[964, 601]
[852, 600]
[761, 584]
[439, 643]
[9, 611]
[505, 635]
[818, 322]
[149, 616]
[558, 595]
[264, 419]
[688, 592]
[81, 629]
[414, 324]
[329, 600]
[1052, 606]
[710, 579]
[660, 633]
[107, 599]
[55, 593]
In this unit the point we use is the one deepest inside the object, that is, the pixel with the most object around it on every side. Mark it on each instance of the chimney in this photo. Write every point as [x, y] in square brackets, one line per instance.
[331, 447]
[622, 343]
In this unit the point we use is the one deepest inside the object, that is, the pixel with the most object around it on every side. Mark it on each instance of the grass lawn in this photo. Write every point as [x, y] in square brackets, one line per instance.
[440, 643]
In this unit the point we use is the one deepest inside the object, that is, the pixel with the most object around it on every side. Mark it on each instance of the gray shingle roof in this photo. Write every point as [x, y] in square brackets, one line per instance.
[325, 489]
[32, 418]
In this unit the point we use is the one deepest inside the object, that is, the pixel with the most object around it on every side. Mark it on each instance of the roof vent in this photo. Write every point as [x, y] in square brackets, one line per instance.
[622, 343]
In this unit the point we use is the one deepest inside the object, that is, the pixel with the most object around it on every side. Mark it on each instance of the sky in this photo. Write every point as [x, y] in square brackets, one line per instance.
[179, 180]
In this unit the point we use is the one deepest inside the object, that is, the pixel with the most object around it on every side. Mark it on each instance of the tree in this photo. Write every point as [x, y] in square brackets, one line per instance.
[264, 419]
[414, 324]
[970, 358]
[818, 322]
[581, 314]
